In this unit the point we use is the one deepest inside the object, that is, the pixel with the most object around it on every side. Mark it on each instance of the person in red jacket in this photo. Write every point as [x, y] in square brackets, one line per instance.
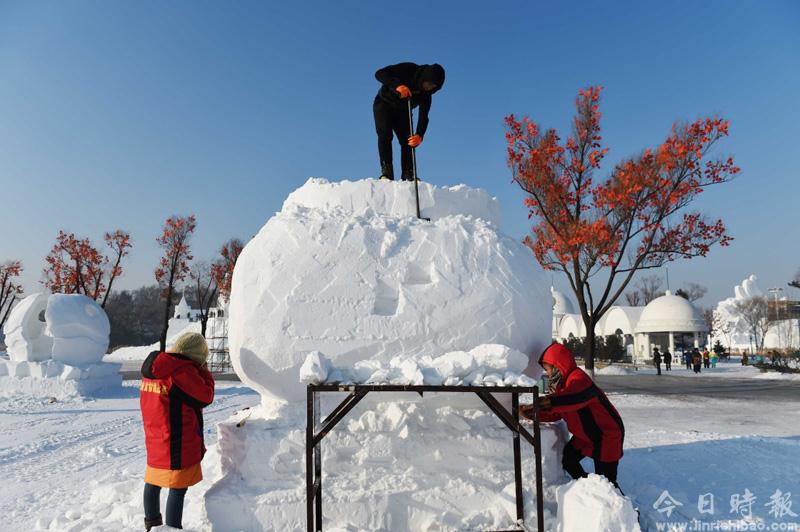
[596, 426]
[176, 386]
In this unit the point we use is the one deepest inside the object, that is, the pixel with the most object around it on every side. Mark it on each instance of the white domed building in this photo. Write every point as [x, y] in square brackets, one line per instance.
[669, 321]
[562, 307]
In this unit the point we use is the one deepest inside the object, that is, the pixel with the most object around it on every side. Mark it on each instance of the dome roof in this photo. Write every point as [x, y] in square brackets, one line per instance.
[561, 304]
[670, 313]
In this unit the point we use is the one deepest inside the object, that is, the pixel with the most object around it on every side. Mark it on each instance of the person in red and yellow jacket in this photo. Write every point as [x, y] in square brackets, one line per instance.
[596, 426]
[176, 386]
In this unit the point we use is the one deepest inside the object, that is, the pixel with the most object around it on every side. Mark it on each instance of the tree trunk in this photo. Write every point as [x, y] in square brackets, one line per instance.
[589, 348]
[163, 339]
[203, 324]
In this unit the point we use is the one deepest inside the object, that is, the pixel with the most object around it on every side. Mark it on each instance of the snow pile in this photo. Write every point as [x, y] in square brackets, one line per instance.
[55, 346]
[593, 504]
[345, 269]
[485, 365]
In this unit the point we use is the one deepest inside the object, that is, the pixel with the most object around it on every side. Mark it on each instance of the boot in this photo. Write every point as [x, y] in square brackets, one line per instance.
[409, 177]
[150, 523]
[387, 172]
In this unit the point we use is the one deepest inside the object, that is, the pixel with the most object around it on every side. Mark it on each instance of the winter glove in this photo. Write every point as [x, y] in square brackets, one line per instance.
[414, 141]
[403, 91]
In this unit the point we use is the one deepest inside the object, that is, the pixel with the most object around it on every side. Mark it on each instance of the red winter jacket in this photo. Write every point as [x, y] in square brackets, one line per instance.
[596, 426]
[173, 393]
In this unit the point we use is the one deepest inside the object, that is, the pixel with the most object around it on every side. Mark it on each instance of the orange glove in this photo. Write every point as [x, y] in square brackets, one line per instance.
[414, 141]
[403, 91]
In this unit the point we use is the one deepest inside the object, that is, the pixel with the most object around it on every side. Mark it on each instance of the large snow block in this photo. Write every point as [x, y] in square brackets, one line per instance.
[52, 378]
[348, 270]
[400, 463]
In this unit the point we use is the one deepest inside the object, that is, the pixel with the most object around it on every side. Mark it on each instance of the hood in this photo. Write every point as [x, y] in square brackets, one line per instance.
[559, 356]
[433, 73]
[166, 364]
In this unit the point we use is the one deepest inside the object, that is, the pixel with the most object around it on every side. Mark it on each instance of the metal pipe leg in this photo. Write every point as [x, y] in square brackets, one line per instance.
[318, 465]
[517, 458]
[537, 448]
[310, 460]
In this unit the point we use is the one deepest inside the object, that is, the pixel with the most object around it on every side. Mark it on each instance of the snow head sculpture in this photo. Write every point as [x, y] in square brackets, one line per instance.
[347, 269]
[25, 330]
[72, 329]
[79, 327]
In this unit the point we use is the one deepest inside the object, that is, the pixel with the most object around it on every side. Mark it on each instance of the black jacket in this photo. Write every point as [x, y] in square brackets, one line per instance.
[411, 75]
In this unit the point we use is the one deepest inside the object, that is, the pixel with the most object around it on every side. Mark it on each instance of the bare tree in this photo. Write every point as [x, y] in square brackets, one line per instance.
[205, 290]
[709, 318]
[724, 327]
[692, 291]
[754, 314]
[796, 281]
[10, 290]
[633, 298]
[650, 288]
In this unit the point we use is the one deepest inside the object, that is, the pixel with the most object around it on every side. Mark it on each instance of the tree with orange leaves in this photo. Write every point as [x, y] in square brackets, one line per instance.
[174, 264]
[10, 290]
[75, 266]
[633, 220]
[222, 269]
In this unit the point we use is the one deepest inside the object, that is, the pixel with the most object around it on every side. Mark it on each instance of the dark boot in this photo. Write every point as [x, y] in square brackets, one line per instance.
[409, 177]
[387, 172]
[150, 523]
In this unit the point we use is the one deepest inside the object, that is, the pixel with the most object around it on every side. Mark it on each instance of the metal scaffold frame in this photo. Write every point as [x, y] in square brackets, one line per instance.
[219, 358]
[316, 430]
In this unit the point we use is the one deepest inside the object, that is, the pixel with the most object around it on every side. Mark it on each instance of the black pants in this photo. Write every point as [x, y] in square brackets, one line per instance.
[152, 505]
[668, 366]
[388, 121]
[572, 464]
[658, 368]
[688, 364]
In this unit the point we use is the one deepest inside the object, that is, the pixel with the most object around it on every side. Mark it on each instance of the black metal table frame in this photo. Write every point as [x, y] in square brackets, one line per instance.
[357, 392]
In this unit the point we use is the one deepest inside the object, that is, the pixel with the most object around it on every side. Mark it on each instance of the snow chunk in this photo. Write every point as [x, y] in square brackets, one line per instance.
[315, 369]
[594, 504]
[347, 269]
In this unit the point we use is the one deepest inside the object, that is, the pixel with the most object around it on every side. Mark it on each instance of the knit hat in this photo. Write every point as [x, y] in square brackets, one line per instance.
[191, 345]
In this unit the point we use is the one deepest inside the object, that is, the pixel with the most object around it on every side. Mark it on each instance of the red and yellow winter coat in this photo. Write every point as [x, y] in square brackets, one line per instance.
[596, 426]
[174, 392]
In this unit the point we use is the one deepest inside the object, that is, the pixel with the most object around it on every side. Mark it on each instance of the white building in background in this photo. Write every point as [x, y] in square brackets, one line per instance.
[668, 321]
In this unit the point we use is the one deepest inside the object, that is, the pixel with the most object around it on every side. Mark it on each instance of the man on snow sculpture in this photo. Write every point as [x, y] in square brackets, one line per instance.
[596, 426]
[399, 84]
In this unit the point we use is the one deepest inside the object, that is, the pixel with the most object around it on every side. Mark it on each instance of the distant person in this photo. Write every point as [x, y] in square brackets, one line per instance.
[706, 358]
[687, 359]
[714, 358]
[176, 386]
[657, 360]
[596, 426]
[667, 360]
[744, 359]
[399, 84]
[697, 360]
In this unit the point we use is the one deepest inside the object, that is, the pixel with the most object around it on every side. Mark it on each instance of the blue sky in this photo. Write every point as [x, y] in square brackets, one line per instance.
[118, 114]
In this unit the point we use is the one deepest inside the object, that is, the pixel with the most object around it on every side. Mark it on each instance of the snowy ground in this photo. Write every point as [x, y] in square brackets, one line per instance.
[78, 465]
